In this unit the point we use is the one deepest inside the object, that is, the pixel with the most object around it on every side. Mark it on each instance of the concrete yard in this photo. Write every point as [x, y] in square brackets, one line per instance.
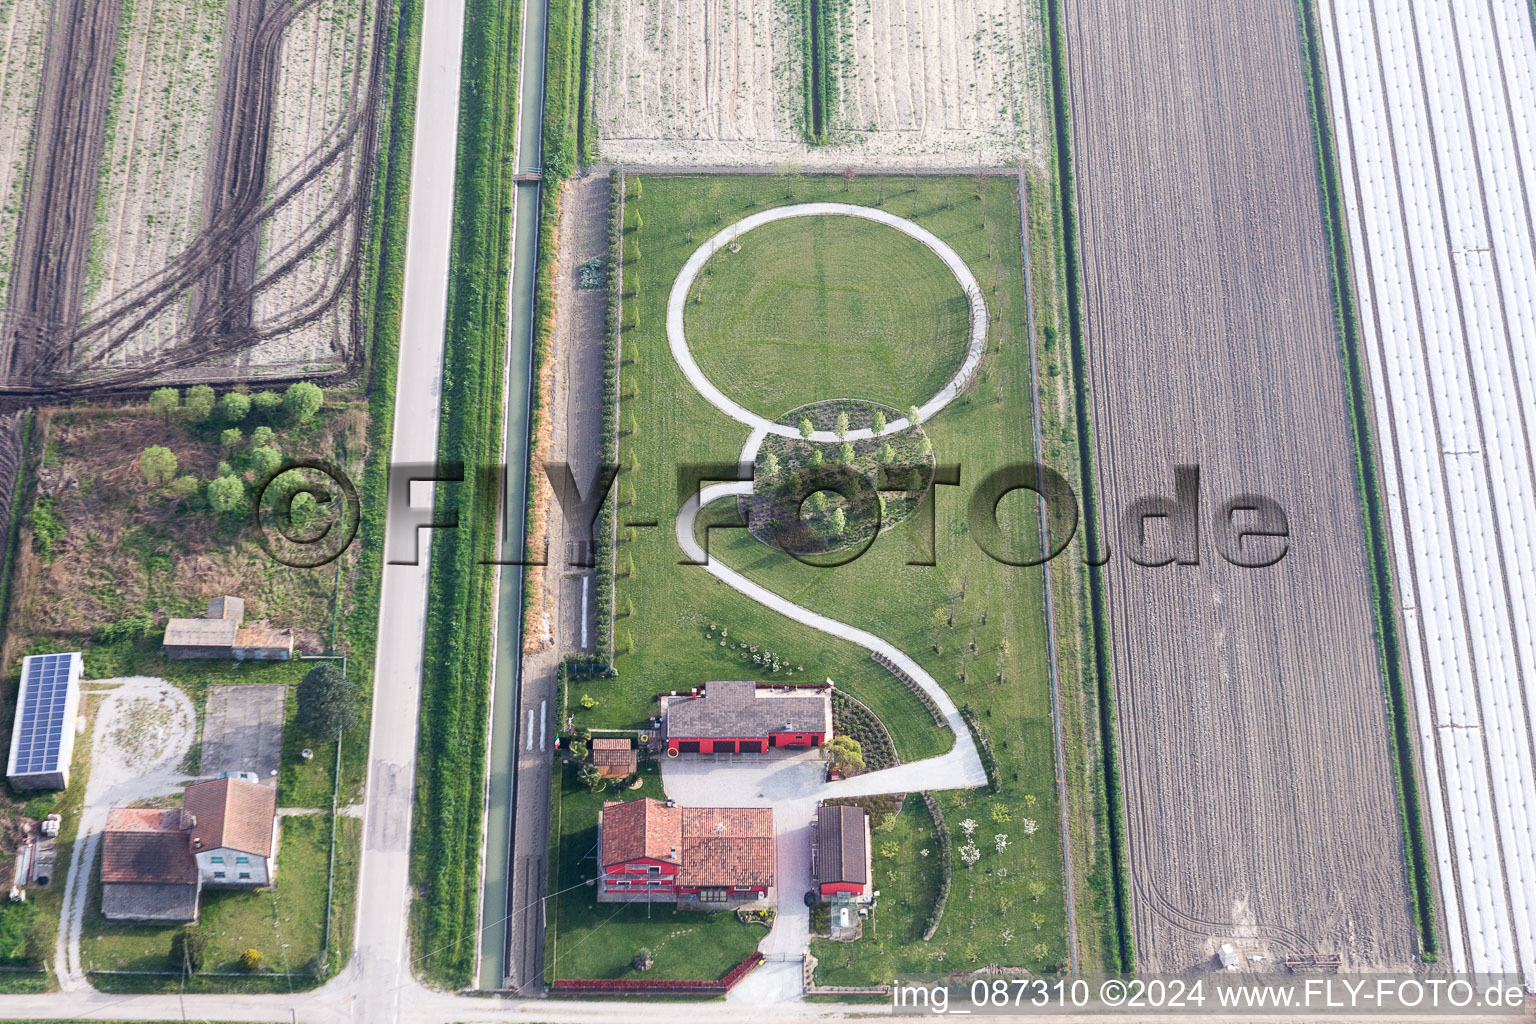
[243, 731]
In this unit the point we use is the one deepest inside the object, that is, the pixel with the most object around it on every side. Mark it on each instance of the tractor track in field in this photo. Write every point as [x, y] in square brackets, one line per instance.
[54, 237]
[48, 348]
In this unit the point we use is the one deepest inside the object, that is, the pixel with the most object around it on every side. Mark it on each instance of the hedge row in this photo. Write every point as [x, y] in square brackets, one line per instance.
[462, 596]
[983, 747]
[1120, 881]
[602, 550]
[819, 55]
[657, 986]
[946, 867]
[1420, 883]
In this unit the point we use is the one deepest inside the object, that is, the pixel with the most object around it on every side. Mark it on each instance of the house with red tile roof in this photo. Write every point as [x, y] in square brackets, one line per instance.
[155, 863]
[739, 716]
[234, 835]
[702, 857]
[148, 873]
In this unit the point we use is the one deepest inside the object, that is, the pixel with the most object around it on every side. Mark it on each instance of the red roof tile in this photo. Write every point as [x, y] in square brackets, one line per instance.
[727, 846]
[232, 814]
[640, 828]
[146, 846]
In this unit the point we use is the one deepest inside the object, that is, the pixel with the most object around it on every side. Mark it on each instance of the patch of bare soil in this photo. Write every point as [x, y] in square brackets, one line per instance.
[266, 111]
[958, 83]
[23, 34]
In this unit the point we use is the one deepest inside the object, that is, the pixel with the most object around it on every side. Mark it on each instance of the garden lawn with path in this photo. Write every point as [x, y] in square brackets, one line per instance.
[589, 939]
[974, 623]
[286, 924]
[858, 310]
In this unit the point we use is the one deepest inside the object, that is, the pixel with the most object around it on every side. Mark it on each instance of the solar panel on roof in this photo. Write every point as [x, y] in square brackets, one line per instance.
[40, 717]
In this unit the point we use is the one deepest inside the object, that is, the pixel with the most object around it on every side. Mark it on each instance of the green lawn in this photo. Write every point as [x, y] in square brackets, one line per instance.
[909, 883]
[599, 940]
[286, 924]
[976, 624]
[857, 308]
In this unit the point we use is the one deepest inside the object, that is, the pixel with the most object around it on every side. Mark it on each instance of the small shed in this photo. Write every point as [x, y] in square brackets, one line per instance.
[221, 633]
[843, 852]
[615, 758]
[43, 732]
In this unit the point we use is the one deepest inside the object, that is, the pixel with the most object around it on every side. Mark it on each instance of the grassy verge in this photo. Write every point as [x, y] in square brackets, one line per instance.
[586, 104]
[819, 54]
[462, 597]
[1124, 958]
[1335, 232]
[563, 88]
[588, 939]
[20, 499]
[1097, 940]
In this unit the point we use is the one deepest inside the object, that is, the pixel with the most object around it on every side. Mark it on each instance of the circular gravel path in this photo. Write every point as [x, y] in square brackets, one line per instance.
[678, 340]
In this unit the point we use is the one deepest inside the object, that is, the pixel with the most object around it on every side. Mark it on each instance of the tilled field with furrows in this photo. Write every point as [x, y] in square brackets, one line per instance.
[266, 111]
[1260, 802]
[966, 79]
[23, 35]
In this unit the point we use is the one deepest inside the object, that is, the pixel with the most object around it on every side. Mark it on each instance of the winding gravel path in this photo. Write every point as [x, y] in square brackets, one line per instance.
[961, 767]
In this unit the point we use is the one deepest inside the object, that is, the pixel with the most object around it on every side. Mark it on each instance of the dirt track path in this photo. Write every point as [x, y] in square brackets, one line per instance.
[143, 731]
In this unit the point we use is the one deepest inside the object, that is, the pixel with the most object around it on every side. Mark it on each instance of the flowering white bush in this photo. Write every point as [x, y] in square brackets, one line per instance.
[969, 854]
[968, 826]
[1029, 826]
[1001, 840]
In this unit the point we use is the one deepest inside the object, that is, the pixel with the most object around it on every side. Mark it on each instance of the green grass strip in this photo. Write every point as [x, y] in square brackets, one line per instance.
[1120, 886]
[462, 595]
[820, 58]
[1420, 883]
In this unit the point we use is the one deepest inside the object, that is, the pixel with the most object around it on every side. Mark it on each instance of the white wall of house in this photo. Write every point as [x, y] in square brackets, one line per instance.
[231, 867]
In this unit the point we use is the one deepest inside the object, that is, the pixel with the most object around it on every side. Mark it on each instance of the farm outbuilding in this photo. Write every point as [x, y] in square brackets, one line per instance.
[614, 757]
[842, 853]
[221, 634]
[43, 732]
[148, 873]
[740, 716]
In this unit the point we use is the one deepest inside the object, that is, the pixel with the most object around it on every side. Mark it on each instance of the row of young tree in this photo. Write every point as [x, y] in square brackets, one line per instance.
[299, 403]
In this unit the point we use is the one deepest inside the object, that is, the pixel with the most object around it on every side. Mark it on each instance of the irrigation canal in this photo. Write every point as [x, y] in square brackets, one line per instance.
[496, 896]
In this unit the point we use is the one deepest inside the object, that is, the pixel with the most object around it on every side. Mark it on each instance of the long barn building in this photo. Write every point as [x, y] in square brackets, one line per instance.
[740, 716]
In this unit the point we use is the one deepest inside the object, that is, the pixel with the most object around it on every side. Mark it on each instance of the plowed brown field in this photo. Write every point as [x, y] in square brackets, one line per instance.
[1259, 793]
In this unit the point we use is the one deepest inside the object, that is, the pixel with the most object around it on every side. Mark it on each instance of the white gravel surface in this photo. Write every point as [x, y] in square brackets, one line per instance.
[144, 728]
